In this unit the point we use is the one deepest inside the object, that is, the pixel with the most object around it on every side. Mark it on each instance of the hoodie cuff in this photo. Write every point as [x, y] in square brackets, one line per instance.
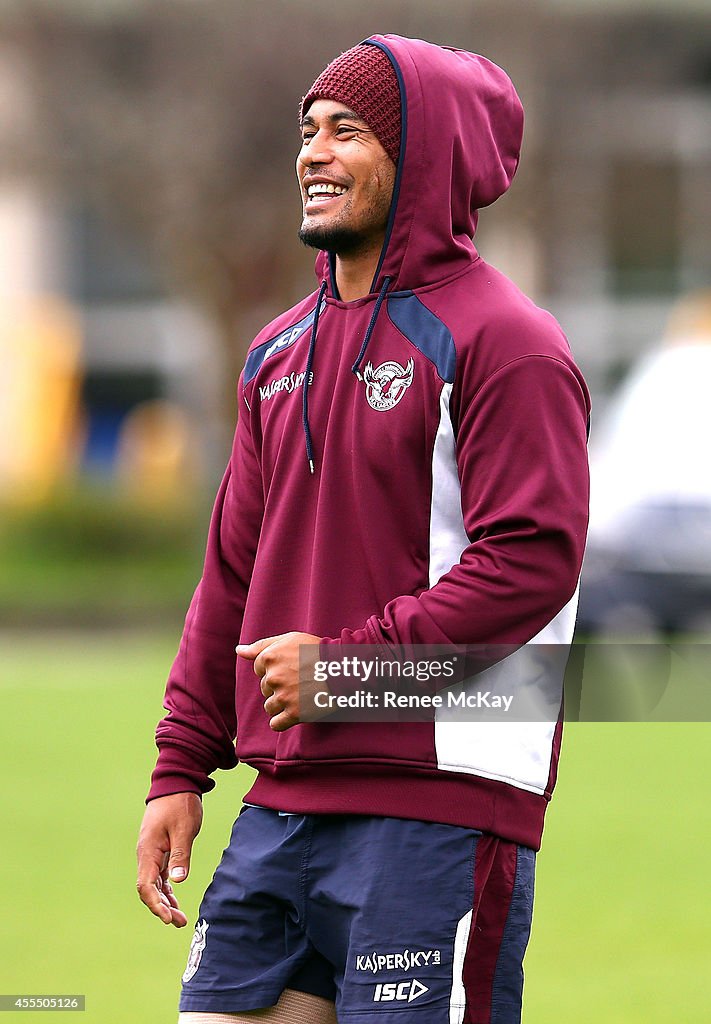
[168, 780]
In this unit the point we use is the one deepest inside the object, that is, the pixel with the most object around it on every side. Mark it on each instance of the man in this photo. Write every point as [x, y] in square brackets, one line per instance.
[409, 467]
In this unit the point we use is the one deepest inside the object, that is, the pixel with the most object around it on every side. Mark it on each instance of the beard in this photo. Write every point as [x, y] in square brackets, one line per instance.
[337, 238]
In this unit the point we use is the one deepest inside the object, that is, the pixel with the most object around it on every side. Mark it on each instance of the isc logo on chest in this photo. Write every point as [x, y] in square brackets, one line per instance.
[403, 991]
[284, 340]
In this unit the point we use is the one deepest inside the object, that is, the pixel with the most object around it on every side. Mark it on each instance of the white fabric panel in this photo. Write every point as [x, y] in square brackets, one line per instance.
[448, 538]
[516, 752]
[458, 997]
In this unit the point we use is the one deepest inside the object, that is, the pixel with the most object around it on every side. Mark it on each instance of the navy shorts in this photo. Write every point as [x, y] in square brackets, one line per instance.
[397, 921]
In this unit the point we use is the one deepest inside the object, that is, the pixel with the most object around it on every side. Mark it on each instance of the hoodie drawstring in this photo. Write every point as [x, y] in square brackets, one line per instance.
[310, 358]
[307, 379]
[371, 327]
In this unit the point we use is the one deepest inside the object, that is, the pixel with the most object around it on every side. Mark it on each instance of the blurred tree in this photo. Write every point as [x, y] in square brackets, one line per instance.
[176, 121]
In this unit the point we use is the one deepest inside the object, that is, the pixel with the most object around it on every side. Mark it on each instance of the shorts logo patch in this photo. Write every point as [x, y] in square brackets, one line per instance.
[404, 992]
[385, 386]
[407, 960]
[197, 947]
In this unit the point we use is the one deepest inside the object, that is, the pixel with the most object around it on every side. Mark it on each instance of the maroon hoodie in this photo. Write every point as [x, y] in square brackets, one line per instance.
[446, 423]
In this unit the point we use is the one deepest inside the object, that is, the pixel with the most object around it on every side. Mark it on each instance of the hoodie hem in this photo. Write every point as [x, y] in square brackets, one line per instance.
[446, 798]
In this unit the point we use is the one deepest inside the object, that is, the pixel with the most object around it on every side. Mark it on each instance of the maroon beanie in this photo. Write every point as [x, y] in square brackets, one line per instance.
[363, 78]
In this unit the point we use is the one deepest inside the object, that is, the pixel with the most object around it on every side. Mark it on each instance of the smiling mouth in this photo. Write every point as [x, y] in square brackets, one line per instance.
[321, 192]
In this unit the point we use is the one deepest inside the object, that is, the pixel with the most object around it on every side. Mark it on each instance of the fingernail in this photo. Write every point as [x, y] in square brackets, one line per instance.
[177, 874]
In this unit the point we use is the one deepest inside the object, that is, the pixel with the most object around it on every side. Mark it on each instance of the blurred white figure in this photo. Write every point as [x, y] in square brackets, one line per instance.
[649, 561]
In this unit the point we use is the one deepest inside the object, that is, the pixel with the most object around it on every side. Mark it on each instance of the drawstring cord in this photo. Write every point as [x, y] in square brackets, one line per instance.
[371, 326]
[310, 359]
[307, 380]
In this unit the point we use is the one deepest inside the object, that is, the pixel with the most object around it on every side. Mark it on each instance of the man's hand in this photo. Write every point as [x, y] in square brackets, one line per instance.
[276, 663]
[169, 827]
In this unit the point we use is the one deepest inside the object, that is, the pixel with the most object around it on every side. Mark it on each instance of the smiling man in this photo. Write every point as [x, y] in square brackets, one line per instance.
[409, 467]
[347, 180]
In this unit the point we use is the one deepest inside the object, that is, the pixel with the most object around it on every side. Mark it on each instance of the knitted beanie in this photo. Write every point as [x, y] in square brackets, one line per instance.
[365, 80]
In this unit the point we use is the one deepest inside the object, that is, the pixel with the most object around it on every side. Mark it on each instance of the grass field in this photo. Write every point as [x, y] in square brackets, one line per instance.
[621, 930]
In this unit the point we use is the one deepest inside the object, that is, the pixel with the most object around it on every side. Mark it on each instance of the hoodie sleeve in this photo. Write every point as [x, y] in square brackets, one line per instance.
[521, 453]
[197, 735]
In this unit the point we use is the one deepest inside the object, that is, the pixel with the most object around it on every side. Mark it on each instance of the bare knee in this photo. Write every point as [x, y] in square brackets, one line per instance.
[293, 1007]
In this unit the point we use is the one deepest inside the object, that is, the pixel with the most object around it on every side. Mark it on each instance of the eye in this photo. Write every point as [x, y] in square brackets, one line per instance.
[346, 129]
[307, 136]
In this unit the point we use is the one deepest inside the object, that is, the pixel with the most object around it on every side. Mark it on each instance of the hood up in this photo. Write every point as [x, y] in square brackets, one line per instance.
[462, 124]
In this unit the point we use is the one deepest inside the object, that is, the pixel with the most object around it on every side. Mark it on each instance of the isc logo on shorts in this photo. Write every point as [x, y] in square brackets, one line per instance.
[403, 991]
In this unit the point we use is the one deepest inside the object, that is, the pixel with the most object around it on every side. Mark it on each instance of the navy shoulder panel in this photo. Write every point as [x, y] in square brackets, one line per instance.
[283, 340]
[426, 332]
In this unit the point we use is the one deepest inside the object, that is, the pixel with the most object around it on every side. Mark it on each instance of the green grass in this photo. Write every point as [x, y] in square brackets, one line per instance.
[76, 735]
[621, 925]
[621, 929]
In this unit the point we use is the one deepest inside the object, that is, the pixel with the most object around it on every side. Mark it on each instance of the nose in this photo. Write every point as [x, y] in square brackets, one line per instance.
[318, 151]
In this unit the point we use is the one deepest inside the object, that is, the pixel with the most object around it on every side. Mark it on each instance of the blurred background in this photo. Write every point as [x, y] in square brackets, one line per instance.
[148, 219]
[148, 223]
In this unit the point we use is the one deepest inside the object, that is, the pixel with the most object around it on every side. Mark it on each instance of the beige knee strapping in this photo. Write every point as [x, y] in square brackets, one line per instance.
[292, 1008]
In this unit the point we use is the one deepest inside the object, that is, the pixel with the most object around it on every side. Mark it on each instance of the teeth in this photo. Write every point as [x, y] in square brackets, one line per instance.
[322, 188]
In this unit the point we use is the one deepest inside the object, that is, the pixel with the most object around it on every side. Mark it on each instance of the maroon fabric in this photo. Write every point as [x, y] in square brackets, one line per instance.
[494, 878]
[344, 552]
[399, 791]
[365, 80]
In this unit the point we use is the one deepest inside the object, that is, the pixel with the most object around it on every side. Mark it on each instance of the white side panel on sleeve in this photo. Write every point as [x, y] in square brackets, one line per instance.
[448, 538]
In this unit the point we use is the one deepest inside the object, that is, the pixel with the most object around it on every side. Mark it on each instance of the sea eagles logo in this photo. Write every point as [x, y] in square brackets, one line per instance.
[385, 386]
[196, 950]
